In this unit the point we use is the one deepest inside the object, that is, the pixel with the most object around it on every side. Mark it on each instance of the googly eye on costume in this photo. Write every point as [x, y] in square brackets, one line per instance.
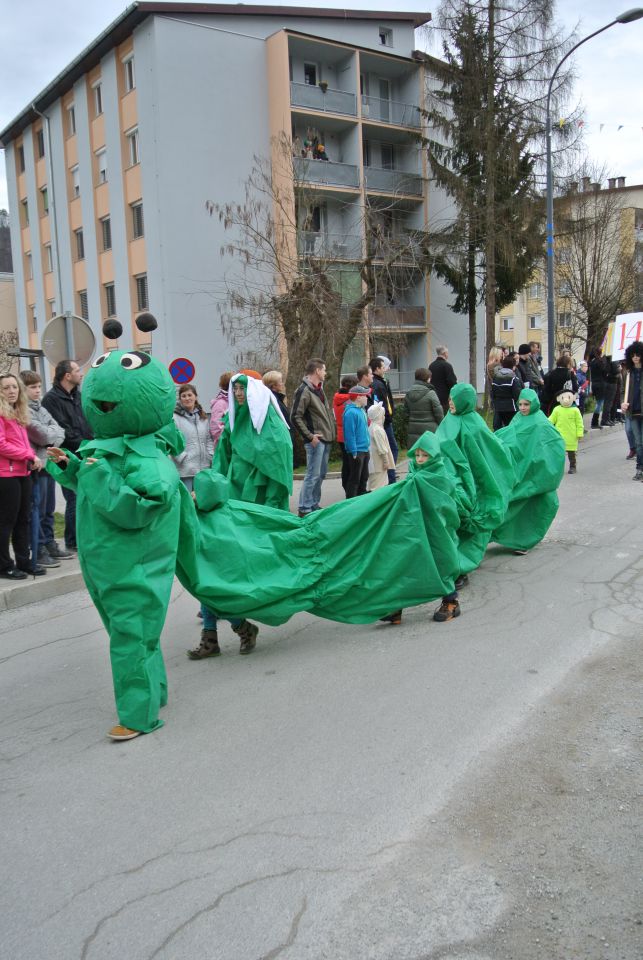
[132, 361]
[97, 362]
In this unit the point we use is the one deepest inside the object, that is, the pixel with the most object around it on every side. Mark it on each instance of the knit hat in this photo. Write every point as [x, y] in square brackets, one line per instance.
[359, 391]
[385, 361]
[524, 348]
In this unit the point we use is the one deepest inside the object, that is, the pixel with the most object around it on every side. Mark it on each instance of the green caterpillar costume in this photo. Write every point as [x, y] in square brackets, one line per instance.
[138, 525]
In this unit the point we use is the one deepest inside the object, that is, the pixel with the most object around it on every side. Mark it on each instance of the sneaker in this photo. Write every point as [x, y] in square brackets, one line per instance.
[631, 455]
[45, 559]
[13, 574]
[58, 553]
[303, 513]
[209, 646]
[394, 618]
[638, 475]
[123, 733]
[519, 553]
[572, 470]
[448, 610]
[462, 581]
[34, 571]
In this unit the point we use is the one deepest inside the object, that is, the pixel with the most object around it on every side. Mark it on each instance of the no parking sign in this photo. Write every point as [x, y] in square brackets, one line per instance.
[182, 370]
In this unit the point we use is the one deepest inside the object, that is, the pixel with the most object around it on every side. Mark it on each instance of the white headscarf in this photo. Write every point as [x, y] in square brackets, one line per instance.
[258, 398]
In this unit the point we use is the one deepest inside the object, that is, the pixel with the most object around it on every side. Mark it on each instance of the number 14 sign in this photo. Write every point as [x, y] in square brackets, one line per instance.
[628, 327]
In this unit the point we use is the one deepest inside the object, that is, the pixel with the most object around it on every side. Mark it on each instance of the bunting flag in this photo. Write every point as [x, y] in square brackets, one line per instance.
[566, 121]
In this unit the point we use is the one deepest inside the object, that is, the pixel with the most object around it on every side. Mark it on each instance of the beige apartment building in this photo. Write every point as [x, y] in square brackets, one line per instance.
[525, 319]
[112, 167]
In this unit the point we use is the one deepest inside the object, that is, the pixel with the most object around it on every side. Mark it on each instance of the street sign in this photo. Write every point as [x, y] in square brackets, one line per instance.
[182, 370]
[67, 337]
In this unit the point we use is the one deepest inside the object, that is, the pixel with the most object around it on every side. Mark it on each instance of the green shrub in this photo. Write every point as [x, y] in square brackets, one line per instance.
[401, 426]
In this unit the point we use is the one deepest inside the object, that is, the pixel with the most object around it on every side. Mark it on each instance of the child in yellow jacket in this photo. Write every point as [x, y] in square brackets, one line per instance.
[569, 423]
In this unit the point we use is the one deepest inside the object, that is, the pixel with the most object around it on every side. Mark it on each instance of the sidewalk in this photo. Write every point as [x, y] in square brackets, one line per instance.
[67, 577]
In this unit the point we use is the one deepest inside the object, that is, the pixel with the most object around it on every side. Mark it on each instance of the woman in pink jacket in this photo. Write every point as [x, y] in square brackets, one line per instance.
[218, 407]
[17, 459]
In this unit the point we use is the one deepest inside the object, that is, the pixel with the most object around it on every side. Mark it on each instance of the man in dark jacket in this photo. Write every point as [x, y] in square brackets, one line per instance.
[312, 416]
[442, 376]
[382, 392]
[63, 403]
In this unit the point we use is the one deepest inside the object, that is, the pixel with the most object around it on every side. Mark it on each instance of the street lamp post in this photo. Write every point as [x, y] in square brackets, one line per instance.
[628, 17]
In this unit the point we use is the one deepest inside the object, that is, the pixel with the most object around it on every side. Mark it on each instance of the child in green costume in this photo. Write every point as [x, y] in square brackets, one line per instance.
[569, 423]
[129, 509]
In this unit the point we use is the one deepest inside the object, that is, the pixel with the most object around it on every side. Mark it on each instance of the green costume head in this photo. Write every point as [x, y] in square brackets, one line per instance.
[464, 398]
[431, 445]
[127, 394]
[532, 397]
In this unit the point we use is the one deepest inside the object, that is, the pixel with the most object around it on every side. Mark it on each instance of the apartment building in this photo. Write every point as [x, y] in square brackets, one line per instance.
[111, 168]
[621, 234]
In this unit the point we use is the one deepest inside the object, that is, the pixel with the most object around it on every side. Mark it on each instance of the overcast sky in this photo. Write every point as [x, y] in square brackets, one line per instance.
[40, 38]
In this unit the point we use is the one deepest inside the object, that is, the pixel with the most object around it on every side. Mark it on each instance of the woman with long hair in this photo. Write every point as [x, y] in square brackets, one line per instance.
[17, 459]
[194, 423]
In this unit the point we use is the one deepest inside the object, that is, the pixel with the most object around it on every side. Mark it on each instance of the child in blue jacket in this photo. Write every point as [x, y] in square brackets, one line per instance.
[357, 442]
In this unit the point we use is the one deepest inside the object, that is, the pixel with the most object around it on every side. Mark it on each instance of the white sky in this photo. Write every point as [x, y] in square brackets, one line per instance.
[40, 38]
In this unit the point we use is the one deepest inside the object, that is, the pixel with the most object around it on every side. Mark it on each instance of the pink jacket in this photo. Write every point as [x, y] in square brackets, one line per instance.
[15, 449]
[218, 407]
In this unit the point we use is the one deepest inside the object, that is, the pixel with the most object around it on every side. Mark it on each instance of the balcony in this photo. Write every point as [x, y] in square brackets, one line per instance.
[393, 181]
[397, 318]
[329, 246]
[325, 172]
[332, 101]
[391, 111]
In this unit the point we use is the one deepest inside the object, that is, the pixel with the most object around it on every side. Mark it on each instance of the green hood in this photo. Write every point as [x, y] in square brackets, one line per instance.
[431, 445]
[464, 398]
[532, 396]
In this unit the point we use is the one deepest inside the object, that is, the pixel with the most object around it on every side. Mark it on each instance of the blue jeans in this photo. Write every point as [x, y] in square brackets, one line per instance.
[210, 619]
[70, 518]
[316, 469]
[390, 433]
[635, 425]
[47, 507]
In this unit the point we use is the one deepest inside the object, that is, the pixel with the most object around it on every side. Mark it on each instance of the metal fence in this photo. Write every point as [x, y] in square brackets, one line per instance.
[393, 181]
[326, 172]
[314, 98]
[390, 111]
[331, 246]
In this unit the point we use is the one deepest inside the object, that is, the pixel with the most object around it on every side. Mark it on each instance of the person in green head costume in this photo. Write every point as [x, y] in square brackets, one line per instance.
[129, 509]
[538, 453]
[255, 450]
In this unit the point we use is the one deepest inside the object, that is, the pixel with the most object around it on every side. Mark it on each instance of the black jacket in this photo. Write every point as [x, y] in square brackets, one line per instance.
[382, 392]
[280, 397]
[555, 381]
[67, 411]
[505, 390]
[443, 378]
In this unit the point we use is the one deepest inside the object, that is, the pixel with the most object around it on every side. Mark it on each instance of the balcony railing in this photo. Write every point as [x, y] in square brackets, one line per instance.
[332, 101]
[329, 246]
[326, 172]
[393, 181]
[390, 111]
[397, 318]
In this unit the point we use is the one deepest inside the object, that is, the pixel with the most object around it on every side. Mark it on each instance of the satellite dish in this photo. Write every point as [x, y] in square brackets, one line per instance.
[68, 337]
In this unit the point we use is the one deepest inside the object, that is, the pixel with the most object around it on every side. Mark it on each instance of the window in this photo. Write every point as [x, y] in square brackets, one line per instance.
[29, 266]
[141, 292]
[132, 146]
[534, 321]
[80, 244]
[98, 99]
[534, 291]
[110, 299]
[75, 181]
[40, 142]
[138, 227]
[83, 310]
[130, 79]
[564, 319]
[388, 156]
[44, 193]
[565, 288]
[52, 308]
[106, 228]
[101, 163]
[310, 74]
[564, 255]
[34, 319]
[366, 153]
[49, 259]
[71, 120]
[507, 323]
[24, 209]
[386, 37]
[21, 158]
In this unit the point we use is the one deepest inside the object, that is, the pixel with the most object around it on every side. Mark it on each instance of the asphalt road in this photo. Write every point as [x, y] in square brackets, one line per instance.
[464, 790]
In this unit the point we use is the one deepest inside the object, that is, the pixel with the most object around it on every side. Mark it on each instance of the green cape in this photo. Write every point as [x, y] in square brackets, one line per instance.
[538, 453]
[258, 465]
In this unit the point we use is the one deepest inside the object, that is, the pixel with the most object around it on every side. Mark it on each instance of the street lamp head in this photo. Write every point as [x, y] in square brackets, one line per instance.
[630, 15]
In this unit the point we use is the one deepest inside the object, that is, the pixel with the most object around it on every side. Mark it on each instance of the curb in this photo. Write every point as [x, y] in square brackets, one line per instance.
[11, 598]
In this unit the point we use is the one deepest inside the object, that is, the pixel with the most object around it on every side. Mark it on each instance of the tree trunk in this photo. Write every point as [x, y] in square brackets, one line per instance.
[490, 196]
[471, 303]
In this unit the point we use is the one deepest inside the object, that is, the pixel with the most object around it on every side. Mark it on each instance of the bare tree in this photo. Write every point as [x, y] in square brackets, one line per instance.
[594, 259]
[8, 340]
[294, 292]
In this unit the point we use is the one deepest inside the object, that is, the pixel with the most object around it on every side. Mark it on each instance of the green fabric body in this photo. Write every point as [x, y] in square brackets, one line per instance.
[538, 454]
[473, 449]
[127, 516]
[352, 562]
[259, 466]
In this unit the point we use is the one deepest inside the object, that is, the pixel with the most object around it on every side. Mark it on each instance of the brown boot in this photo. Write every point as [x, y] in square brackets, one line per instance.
[247, 632]
[209, 646]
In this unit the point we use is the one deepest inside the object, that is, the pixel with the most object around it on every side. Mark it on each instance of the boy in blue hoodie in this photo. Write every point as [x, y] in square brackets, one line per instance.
[357, 442]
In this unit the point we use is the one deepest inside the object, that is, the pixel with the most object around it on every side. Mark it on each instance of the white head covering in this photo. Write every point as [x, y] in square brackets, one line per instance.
[258, 398]
[386, 362]
[376, 412]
